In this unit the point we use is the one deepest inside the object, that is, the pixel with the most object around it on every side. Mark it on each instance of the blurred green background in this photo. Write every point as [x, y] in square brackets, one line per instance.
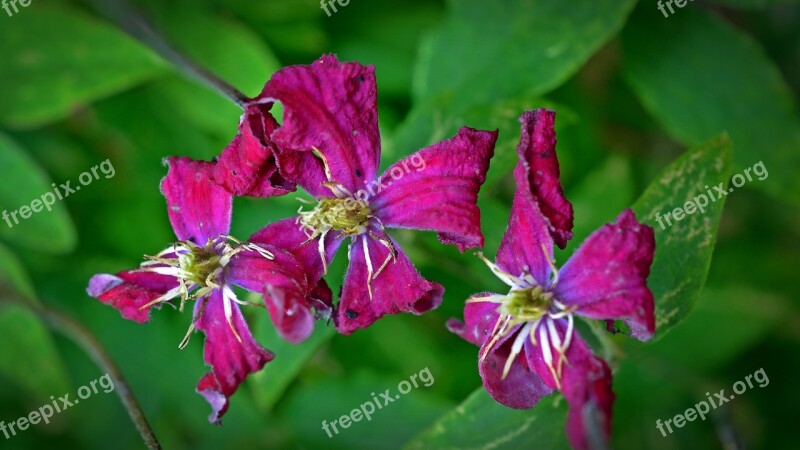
[633, 91]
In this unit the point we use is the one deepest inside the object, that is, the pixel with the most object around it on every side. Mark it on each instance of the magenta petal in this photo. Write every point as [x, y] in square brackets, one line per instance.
[231, 361]
[526, 243]
[538, 172]
[437, 188]
[522, 388]
[479, 320]
[332, 107]
[398, 288]
[586, 384]
[129, 291]
[248, 166]
[284, 285]
[198, 208]
[607, 275]
[288, 235]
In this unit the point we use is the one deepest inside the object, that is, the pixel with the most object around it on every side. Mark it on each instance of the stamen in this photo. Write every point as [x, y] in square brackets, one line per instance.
[322, 157]
[369, 265]
[548, 356]
[392, 256]
[494, 298]
[186, 338]
[556, 340]
[496, 334]
[553, 267]
[505, 277]
[322, 254]
[533, 330]
[515, 349]
[169, 295]
[227, 295]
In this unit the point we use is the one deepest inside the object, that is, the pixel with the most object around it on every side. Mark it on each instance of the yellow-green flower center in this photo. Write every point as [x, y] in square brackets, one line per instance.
[526, 304]
[201, 265]
[348, 215]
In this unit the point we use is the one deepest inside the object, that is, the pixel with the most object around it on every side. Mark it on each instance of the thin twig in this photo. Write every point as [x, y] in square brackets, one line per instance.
[133, 23]
[84, 338]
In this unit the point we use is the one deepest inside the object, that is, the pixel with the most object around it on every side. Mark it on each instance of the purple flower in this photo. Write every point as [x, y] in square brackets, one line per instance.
[529, 343]
[204, 266]
[329, 144]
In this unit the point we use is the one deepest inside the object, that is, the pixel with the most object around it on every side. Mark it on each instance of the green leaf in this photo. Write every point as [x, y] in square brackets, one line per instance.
[684, 247]
[55, 60]
[482, 423]
[28, 356]
[708, 77]
[270, 383]
[12, 273]
[329, 398]
[24, 184]
[717, 312]
[506, 49]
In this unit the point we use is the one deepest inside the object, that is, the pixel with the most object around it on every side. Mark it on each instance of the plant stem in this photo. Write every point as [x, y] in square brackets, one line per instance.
[133, 23]
[84, 338]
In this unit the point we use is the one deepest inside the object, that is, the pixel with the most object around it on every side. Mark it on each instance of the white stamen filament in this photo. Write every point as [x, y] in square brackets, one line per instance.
[507, 278]
[321, 249]
[227, 297]
[516, 348]
[548, 355]
[368, 260]
[494, 298]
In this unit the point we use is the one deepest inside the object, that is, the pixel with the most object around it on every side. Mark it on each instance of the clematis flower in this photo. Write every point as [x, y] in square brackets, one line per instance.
[329, 144]
[203, 267]
[529, 343]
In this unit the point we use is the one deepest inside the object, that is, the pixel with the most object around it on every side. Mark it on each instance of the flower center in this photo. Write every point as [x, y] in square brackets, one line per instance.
[530, 304]
[199, 271]
[348, 215]
[200, 265]
[526, 304]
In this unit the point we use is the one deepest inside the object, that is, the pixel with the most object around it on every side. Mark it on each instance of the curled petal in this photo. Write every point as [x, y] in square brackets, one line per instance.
[585, 381]
[198, 208]
[437, 188]
[130, 291]
[285, 287]
[329, 106]
[247, 167]
[537, 172]
[394, 288]
[230, 359]
[607, 276]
